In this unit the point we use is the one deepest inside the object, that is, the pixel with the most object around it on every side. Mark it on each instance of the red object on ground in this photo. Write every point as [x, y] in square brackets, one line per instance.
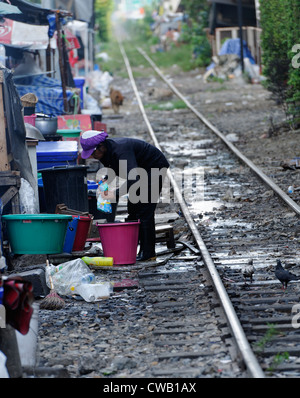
[83, 227]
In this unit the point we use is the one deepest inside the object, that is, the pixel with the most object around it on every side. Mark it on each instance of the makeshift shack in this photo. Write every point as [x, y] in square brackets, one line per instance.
[224, 14]
[25, 50]
[229, 19]
[33, 56]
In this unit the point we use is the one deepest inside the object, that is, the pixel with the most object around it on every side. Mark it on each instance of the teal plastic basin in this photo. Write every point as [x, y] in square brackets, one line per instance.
[69, 132]
[36, 233]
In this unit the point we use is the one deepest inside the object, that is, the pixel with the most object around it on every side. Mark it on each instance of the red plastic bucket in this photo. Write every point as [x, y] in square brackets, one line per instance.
[82, 231]
[120, 240]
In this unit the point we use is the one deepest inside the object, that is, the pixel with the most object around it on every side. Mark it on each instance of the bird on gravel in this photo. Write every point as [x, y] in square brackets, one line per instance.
[248, 270]
[283, 275]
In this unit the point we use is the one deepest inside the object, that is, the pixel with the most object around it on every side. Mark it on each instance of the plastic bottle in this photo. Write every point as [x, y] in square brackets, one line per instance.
[291, 189]
[103, 204]
[88, 278]
[104, 261]
[91, 292]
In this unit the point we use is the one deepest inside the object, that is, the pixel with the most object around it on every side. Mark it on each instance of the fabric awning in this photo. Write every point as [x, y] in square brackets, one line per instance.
[7, 9]
[20, 34]
[33, 13]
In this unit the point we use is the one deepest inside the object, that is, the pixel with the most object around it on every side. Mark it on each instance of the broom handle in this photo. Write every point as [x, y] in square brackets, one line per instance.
[50, 277]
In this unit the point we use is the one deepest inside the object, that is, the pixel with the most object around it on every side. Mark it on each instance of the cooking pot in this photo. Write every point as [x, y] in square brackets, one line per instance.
[46, 124]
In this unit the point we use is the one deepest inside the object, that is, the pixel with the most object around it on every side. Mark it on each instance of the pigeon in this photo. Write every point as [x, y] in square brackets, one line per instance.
[283, 275]
[248, 270]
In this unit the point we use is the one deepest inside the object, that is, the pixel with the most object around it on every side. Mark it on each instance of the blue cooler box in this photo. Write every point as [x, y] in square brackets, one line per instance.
[56, 153]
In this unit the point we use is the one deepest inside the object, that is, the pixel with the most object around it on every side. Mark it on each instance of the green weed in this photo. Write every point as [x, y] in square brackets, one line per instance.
[277, 360]
[268, 336]
[167, 106]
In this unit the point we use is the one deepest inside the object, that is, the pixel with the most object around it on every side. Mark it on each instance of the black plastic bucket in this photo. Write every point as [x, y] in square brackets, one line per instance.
[65, 184]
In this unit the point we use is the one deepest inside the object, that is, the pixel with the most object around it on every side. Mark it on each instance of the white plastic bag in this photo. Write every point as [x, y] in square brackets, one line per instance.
[66, 275]
[3, 371]
[3, 265]
[91, 104]
[28, 202]
[100, 82]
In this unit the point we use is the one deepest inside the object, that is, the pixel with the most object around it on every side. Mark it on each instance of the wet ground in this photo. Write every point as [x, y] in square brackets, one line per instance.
[84, 338]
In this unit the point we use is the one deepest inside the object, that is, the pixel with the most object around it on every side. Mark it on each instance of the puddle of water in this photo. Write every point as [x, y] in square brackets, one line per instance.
[189, 148]
[231, 223]
[176, 267]
[205, 206]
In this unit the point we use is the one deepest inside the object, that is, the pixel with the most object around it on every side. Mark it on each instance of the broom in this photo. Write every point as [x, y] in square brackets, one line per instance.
[52, 301]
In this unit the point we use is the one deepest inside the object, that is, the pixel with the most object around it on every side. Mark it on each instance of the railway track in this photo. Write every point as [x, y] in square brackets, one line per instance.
[266, 313]
[193, 313]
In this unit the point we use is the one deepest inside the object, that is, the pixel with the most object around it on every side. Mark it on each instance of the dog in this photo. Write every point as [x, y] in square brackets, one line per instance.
[116, 99]
[159, 94]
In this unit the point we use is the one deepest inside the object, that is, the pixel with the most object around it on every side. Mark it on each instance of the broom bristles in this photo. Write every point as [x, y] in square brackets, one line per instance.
[52, 301]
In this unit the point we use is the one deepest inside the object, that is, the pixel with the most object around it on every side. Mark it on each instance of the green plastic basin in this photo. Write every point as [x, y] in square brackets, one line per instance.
[36, 233]
[69, 132]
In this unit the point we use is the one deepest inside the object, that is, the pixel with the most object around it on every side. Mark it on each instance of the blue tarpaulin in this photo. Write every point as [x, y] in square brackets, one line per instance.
[48, 91]
[233, 46]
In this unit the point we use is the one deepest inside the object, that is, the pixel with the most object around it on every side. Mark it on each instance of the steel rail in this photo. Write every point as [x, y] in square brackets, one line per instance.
[244, 349]
[293, 205]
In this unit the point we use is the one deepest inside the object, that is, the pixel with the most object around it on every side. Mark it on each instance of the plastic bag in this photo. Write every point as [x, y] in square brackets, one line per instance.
[66, 275]
[92, 105]
[103, 204]
[3, 370]
[28, 202]
[100, 81]
[3, 265]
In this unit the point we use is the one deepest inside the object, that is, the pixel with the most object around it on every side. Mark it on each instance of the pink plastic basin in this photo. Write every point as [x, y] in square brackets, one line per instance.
[120, 240]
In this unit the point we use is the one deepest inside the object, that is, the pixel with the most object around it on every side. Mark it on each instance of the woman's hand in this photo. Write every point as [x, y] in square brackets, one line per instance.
[108, 195]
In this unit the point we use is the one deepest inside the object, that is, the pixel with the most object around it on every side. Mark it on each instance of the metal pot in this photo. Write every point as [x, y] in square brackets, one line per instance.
[46, 124]
[33, 132]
